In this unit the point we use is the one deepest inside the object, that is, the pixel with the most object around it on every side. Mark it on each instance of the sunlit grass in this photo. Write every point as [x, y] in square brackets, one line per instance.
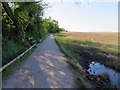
[106, 38]
[106, 53]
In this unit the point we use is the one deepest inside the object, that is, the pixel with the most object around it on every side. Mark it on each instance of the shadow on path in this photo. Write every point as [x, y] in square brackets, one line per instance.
[45, 68]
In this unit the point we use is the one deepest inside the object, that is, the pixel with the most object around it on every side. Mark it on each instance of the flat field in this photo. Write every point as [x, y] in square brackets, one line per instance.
[108, 37]
[102, 47]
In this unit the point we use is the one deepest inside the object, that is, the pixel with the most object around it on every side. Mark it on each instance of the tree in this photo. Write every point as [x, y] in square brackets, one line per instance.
[22, 15]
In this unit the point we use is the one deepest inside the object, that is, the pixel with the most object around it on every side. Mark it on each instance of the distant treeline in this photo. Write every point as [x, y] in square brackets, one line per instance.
[23, 25]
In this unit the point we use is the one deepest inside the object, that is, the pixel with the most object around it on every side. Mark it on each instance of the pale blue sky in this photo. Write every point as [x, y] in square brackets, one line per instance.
[92, 17]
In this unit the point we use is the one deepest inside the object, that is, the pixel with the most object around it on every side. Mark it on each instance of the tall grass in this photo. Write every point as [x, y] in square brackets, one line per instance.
[10, 50]
[13, 66]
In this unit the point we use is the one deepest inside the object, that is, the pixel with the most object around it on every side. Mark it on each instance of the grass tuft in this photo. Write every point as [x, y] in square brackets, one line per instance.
[74, 64]
[83, 83]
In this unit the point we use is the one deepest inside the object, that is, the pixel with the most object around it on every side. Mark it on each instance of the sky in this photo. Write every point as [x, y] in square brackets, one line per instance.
[84, 16]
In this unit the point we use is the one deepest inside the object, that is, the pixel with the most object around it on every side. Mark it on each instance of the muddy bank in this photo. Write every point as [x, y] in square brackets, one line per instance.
[100, 81]
[99, 74]
[96, 68]
[102, 58]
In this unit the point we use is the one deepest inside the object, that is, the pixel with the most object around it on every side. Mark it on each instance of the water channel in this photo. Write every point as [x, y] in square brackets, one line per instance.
[96, 68]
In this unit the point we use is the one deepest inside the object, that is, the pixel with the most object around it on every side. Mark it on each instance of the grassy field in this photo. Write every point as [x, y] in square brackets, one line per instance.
[107, 38]
[82, 47]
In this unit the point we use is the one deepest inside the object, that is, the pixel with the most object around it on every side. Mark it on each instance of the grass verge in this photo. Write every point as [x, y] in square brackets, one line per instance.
[83, 83]
[14, 65]
[73, 62]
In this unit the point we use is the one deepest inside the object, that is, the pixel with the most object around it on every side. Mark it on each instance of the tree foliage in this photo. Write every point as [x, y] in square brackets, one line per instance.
[21, 22]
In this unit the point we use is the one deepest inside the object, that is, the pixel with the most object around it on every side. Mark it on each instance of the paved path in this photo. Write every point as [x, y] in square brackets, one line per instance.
[46, 67]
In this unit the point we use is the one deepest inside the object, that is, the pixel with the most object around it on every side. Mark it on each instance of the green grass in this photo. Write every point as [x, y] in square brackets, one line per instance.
[74, 64]
[104, 53]
[83, 83]
[10, 50]
[14, 65]
[72, 61]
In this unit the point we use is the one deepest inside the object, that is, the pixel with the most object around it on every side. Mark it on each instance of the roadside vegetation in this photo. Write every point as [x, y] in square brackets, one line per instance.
[13, 66]
[80, 48]
[22, 26]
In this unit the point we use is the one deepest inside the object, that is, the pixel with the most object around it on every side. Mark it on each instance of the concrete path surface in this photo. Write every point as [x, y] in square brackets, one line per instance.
[46, 67]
